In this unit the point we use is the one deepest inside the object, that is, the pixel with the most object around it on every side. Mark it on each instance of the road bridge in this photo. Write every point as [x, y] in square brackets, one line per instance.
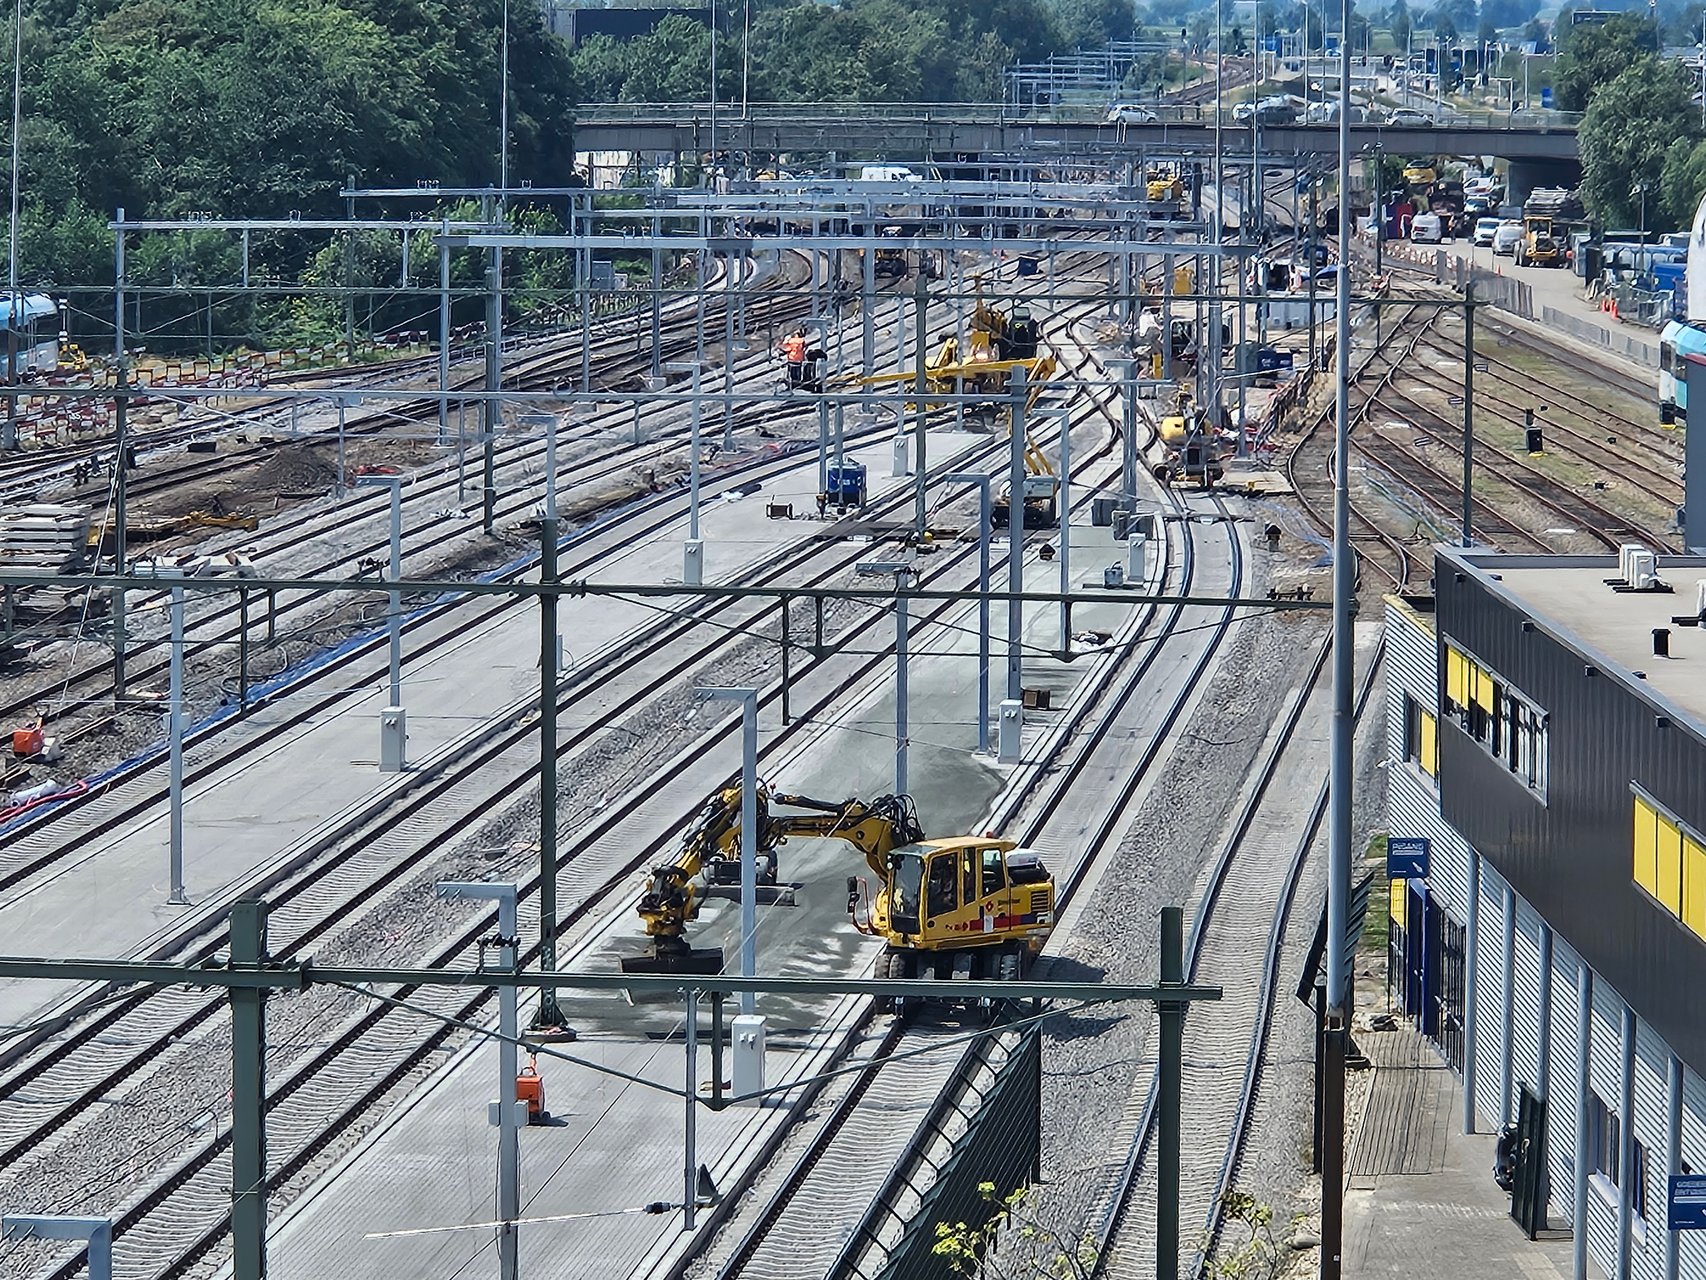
[958, 129]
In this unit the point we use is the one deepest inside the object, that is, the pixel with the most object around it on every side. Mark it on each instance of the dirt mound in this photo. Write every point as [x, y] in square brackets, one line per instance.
[294, 468]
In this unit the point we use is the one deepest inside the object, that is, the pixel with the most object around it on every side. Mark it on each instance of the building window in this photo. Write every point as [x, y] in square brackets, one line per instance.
[1638, 1180]
[1421, 737]
[1508, 726]
[1603, 1139]
[1670, 864]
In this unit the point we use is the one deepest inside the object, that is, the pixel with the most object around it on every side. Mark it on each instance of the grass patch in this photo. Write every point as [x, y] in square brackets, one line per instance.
[1377, 926]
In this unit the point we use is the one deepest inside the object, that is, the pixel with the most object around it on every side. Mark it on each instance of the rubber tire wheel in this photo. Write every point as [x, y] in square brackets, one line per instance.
[1011, 966]
[891, 964]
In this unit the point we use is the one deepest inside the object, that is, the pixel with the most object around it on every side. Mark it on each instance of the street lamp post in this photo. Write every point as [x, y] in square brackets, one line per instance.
[982, 482]
[503, 1113]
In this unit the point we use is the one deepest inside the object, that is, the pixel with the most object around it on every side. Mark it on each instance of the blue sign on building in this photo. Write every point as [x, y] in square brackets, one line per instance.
[1687, 1202]
[1407, 857]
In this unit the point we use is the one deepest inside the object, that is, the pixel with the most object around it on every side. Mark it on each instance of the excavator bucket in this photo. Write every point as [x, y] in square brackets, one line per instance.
[704, 960]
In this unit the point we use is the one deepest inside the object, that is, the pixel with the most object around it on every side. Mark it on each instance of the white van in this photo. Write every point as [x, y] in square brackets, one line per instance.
[1427, 228]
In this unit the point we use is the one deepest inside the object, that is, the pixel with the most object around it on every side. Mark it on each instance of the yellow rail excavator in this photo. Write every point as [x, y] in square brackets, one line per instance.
[1190, 450]
[997, 344]
[965, 906]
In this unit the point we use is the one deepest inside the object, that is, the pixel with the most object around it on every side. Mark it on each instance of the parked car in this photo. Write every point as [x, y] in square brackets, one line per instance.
[1507, 238]
[1243, 113]
[1129, 113]
[1409, 118]
[1481, 187]
[1427, 228]
[1485, 229]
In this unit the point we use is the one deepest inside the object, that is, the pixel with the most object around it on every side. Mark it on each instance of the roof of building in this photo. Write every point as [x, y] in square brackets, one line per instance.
[1569, 598]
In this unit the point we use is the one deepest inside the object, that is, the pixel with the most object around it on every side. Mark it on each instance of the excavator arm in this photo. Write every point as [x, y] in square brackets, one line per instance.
[710, 849]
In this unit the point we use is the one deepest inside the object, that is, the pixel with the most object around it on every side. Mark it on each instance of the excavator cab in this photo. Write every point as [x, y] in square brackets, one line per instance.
[976, 904]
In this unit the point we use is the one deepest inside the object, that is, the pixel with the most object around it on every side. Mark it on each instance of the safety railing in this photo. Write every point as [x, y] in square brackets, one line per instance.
[735, 113]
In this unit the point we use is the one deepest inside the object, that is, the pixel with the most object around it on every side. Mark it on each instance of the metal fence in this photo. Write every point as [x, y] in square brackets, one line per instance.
[1612, 339]
[986, 1121]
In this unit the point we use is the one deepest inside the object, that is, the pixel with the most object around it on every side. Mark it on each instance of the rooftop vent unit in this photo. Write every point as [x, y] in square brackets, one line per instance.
[1637, 570]
[1643, 570]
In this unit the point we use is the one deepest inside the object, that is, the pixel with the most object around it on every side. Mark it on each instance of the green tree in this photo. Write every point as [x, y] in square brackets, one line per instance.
[1625, 136]
[1398, 21]
[1595, 54]
[1028, 1247]
[1682, 182]
[1091, 24]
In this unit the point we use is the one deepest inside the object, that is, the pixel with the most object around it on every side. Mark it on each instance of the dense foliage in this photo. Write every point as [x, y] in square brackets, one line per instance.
[856, 51]
[1640, 139]
[264, 108]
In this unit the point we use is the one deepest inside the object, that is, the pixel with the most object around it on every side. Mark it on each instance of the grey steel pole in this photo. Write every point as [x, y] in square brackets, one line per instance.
[690, 1114]
[1471, 970]
[1468, 411]
[920, 306]
[98, 1232]
[823, 443]
[248, 1097]
[444, 332]
[983, 531]
[509, 1028]
[1168, 1130]
[1673, 1153]
[1584, 1054]
[868, 301]
[1016, 534]
[693, 460]
[749, 846]
[1543, 1028]
[121, 453]
[733, 277]
[394, 608]
[9, 437]
[1065, 500]
[1626, 1143]
[1343, 729]
[175, 734]
[1507, 1067]
[901, 727]
[342, 476]
[490, 408]
[549, 1014]
[749, 834]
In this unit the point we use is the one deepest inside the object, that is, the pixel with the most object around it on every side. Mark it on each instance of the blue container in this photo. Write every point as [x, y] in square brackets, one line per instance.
[845, 485]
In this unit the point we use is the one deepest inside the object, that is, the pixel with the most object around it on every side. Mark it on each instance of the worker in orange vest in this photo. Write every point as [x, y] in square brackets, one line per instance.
[794, 352]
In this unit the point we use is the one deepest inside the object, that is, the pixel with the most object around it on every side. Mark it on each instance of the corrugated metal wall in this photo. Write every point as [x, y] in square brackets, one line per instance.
[1490, 991]
[1561, 1115]
[1571, 854]
[1414, 809]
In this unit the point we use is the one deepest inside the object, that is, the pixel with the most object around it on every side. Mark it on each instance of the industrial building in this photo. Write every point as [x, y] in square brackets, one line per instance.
[1547, 738]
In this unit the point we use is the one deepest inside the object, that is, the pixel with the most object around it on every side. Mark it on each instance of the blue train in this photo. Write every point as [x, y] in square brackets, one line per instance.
[36, 318]
[1677, 342]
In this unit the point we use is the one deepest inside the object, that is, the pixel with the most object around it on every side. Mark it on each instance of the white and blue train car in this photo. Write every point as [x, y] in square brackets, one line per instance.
[1677, 342]
[34, 318]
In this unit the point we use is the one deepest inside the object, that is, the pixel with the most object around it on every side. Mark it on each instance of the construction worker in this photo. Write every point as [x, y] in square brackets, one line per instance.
[793, 349]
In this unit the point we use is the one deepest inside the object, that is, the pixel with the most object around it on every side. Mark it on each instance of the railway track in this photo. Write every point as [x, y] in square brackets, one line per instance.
[362, 872]
[861, 1154]
[327, 890]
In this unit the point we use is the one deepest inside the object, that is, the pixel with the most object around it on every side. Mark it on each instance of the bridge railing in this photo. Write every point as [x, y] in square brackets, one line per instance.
[782, 113]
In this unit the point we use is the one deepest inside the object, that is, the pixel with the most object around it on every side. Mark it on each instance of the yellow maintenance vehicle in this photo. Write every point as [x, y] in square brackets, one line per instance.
[1189, 448]
[1539, 246]
[969, 906]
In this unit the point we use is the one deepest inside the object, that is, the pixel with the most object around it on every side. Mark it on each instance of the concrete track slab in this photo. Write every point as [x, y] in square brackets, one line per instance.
[622, 1146]
[110, 898]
